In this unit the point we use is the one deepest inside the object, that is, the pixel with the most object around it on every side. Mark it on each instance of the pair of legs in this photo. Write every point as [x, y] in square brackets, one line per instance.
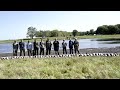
[56, 51]
[32, 52]
[42, 51]
[22, 51]
[71, 50]
[15, 52]
[48, 51]
[64, 50]
[76, 50]
[35, 51]
[29, 52]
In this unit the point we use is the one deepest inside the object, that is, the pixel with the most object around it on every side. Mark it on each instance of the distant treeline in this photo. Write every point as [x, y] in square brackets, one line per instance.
[103, 30]
[108, 29]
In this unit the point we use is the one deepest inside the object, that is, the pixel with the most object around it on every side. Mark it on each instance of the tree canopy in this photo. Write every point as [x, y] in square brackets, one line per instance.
[31, 32]
[75, 32]
[102, 30]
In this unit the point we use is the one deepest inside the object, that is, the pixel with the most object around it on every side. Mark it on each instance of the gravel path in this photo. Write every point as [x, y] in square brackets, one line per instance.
[89, 50]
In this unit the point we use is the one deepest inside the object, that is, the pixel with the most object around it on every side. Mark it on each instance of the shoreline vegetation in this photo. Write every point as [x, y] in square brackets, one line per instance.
[98, 37]
[61, 68]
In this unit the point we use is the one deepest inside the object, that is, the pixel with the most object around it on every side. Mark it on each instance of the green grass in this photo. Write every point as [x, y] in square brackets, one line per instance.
[101, 37]
[61, 68]
[117, 36]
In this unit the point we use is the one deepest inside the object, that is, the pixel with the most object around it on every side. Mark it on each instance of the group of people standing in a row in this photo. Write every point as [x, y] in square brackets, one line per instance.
[35, 47]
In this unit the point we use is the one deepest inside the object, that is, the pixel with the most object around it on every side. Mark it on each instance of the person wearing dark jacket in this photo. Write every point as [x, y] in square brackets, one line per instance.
[15, 48]
[76, 46]
[22, 47]
[71, 46]
[64, 45]
[35, 47]
[42, 47]
[56, 46]
[48, 47]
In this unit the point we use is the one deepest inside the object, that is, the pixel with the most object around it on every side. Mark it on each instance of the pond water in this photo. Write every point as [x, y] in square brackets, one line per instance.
[84, 43]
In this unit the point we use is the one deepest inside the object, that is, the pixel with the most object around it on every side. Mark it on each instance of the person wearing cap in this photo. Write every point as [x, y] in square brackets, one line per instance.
[64, 45]
[15, 48]
[71, 46]
[42, 47]
[22, 48]
[56, 46]
[76, 46]
[48, 46]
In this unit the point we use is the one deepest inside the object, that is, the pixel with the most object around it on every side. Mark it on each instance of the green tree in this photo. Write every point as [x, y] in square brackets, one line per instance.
[75, 32]
[92, 31]
[118, 26]
[47, 33]
[31, 32]
[54, 33]
[60, 33]
[113, 29]
[87, 32]
[68, 33]
[39, 33]
[102, 30]
[82, 33]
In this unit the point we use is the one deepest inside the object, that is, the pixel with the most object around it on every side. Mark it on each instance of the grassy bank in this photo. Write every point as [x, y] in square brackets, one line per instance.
[60, 68]
[107, 37]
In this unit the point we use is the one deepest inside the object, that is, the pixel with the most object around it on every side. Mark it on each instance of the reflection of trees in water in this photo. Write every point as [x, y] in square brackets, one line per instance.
[114, 42]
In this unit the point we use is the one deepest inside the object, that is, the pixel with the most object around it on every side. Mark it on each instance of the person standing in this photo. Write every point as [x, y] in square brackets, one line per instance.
[42, 47]
[32, 52]
[71, 46]
[15, 48]
[48, 47]
[35, 47]
[22, 47]
[64, 45]
[56, 46]
[29, 48]
[76, 46]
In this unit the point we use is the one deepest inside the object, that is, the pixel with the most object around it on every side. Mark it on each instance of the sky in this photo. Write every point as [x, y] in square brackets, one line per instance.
[14, 24]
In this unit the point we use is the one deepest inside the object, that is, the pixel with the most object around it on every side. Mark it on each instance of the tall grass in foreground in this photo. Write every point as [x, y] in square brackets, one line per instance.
[61, 68]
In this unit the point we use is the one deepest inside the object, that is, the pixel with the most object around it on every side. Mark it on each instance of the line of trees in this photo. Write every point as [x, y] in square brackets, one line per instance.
[103, 30]
[32, 32]
[108, 29]
[53, 33]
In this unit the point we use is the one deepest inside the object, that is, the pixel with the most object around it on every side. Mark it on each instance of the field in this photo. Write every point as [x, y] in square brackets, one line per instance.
[79, 37]
[61, 68]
